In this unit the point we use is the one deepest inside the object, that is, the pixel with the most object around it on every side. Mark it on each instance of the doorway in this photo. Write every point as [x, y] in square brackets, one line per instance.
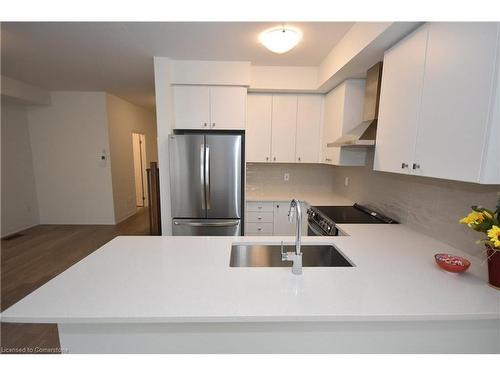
[139, 151]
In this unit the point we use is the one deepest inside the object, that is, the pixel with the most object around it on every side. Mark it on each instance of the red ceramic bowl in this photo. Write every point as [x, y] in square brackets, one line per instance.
[452, 263]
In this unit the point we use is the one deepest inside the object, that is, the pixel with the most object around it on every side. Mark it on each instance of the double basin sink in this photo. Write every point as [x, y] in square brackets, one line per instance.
[254, 255]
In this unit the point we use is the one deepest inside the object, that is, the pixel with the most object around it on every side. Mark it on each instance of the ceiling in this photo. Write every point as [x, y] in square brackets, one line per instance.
[117, 57]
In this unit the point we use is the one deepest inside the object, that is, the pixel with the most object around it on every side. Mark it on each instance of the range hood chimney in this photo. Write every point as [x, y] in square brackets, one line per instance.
[364, 134]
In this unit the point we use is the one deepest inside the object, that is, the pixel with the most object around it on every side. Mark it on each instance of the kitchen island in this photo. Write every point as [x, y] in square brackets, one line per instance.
[179, 295]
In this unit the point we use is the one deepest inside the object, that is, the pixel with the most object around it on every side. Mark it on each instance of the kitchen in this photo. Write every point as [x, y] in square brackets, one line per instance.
[270, 179]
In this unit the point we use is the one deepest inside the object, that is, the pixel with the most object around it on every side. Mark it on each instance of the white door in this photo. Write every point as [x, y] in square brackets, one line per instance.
[332, 127]
[458, 82]
[258, 129]
[308, 146]
[191, 107]
[400, 97]
[284, 127]
[228, 107]
[282, 225]
[140, 173]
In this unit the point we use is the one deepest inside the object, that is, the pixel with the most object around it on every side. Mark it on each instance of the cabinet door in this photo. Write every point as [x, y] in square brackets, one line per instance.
[228, 107]
[258, 129]
[400, 96]
[284, 127]
[282, 226]
[191, 107]
[308, 146]
[332, 127]
[457, 87]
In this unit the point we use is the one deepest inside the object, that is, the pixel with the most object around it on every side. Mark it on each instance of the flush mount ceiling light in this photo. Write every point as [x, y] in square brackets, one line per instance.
[280, 39]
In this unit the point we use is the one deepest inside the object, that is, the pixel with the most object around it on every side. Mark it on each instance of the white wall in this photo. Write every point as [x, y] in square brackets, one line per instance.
[19, 202]
[202, 72]
[23, 93]
[284, 78]
[124, 119]
[430, 206]
[164, 121]
[68, 139]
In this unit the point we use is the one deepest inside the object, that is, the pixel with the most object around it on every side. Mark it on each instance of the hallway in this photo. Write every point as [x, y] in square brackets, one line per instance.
[43, 252]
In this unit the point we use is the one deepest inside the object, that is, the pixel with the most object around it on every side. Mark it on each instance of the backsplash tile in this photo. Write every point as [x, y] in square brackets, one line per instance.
[430, 206]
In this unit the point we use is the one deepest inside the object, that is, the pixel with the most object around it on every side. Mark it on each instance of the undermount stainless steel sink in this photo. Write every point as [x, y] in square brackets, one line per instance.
[251, 255]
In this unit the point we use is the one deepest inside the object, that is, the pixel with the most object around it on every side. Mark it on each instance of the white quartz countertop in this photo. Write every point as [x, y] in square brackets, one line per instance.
[188, 279]
[313, 198]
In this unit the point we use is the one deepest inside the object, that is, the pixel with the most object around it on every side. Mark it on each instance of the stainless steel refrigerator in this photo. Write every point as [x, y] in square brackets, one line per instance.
[206, 180]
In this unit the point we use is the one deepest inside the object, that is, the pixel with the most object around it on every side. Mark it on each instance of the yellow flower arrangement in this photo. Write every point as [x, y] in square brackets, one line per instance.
[494, 235]
[485, 221]
[474, 218]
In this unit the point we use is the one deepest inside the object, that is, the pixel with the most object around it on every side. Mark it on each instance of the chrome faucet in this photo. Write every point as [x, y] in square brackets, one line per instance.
[296, 257]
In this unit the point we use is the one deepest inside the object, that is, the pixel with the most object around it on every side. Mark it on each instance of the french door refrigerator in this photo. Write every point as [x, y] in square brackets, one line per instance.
[206, 179]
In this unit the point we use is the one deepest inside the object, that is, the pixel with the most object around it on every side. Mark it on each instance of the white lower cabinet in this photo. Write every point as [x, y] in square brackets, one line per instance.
[271, 219]
[282, 225]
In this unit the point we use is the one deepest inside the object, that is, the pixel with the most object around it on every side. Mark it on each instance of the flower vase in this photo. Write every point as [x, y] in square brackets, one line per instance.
[493, 267]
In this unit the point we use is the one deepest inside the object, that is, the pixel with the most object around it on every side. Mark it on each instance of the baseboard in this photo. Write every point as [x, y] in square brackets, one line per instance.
[14, 231]
[126, 216]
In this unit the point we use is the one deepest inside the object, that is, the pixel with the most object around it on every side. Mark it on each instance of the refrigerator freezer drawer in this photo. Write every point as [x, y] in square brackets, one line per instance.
[206, 227]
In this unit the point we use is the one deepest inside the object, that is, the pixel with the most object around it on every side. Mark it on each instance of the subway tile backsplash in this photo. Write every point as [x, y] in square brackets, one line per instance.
[429, 206]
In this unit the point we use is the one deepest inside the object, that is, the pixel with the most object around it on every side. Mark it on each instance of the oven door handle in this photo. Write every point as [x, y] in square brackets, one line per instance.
[314, 230]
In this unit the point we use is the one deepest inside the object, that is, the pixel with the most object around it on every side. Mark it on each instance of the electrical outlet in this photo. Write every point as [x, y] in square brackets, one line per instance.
[346, 181]
[286, 177]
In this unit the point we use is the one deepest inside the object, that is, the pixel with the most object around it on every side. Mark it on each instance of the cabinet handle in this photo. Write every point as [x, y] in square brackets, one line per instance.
[259, 228]
[205, 124]
[267, 158]
[404, 165]
[416, 166]
[213, 125]
[299, 158]
[259, 218]
[328, 159]
[274, 159]
[260, 207]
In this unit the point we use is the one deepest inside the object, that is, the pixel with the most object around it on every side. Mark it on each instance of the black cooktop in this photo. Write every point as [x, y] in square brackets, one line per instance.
[353, 215]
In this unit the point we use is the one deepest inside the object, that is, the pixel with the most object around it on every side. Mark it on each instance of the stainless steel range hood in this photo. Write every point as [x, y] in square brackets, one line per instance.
[364, 134]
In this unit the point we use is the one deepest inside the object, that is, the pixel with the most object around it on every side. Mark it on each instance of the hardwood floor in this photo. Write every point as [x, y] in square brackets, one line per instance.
[40, 254]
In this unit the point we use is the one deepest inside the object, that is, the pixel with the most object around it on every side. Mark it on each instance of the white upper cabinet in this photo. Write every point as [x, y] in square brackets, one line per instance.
[284, 127]
[401, 90]
[258, 130]
[343, 111]
[209, 107]
[191, 107]
[437, 104]
[228, 107]
[308, 146]
[456, 100]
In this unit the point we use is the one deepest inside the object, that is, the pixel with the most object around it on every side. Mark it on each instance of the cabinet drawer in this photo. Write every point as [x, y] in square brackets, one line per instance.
[260, 217]
[260, 206]
[259, 229]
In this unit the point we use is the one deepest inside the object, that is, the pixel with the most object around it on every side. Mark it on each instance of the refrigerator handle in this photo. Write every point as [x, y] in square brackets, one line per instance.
[207, 176]
[202, 174]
